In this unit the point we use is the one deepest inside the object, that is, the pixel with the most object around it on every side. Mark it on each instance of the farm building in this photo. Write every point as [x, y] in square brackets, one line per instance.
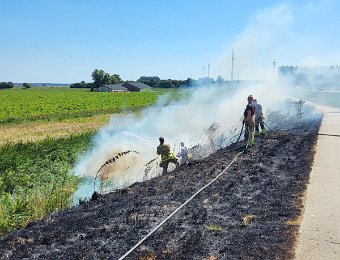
[139, 85]
[124, 87]
[112, 88]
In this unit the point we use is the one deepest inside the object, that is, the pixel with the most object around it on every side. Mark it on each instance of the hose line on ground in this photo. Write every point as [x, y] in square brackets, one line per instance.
[179, 208]
[267, 126]
[330, 135]
[239, 136]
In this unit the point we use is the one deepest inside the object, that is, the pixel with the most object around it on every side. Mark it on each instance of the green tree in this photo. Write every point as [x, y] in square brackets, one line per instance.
[83, 84]
[100, 78]
[167, 83]
[115, 78]
[219, 79]
[26, 85]
[6, 85]
[151, 81]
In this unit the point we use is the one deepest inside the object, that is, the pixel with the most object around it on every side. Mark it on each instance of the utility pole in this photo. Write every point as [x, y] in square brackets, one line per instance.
[274, 62]
[232, 64]
[208, 69]
[203, 71]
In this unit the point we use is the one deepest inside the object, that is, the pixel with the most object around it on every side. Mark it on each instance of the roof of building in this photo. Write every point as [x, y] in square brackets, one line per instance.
[115, 87]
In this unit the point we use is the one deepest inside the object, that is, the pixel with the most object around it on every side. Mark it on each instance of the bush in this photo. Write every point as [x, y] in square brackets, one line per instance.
[26, 85]
[4, 85]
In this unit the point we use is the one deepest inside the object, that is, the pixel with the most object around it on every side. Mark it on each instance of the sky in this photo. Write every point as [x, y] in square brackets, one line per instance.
[63, 41]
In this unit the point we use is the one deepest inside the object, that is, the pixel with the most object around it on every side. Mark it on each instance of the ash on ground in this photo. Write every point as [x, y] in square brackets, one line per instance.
[252, 212]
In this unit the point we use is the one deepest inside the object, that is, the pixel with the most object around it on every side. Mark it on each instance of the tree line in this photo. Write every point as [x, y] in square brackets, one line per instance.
[7, 85]
[4, 85]
[312, 76]
[286, 70]
[101, 78]
[82, 84]
[156, 82]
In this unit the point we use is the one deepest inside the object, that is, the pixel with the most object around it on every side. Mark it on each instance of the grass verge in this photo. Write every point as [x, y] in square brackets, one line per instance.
[35, 178]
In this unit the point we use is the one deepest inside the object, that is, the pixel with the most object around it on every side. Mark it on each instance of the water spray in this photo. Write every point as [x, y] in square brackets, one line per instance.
[139, 137]
[108, 162]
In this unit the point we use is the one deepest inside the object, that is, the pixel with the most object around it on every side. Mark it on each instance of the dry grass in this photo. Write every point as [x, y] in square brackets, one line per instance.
[248, 219]
[149, 256]
[214, 228]
[35, 131]
[294, 222]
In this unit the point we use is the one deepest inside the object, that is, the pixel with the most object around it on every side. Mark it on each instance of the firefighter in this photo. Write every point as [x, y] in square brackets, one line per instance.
[184, 154]
[259, 118]
[249, 121]
[166, 155]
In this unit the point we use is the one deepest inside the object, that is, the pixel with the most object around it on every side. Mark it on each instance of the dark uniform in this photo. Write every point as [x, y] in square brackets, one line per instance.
[249, 134]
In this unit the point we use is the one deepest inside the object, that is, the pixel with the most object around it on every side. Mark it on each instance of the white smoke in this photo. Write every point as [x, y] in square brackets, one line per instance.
[183, 121]
[269, 34]
[293, 34]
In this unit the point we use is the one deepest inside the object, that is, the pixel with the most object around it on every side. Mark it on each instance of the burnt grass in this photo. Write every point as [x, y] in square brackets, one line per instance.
[251, 212]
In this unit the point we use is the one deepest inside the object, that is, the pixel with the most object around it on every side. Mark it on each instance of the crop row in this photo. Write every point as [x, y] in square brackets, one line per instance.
[57, 103]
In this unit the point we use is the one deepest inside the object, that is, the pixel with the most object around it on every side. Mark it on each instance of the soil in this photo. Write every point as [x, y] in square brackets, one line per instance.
[251, 212]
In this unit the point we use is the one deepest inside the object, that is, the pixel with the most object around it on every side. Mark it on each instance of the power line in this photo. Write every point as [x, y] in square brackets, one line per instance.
[232, 64]
[208, 69]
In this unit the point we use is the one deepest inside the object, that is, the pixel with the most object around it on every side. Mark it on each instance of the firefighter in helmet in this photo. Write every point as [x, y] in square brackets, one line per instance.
[259, 119]
[249, 121]
[166, 155]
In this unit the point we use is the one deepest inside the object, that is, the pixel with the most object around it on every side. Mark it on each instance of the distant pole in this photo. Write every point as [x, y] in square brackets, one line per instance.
[208, 69]
[203, 70]
[232, 64]
[274, 62]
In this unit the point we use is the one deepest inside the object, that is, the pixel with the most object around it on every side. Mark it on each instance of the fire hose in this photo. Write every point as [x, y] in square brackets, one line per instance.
[239, 136]
[179, 208]
[242, 131]
[192, 197]
[267, 126]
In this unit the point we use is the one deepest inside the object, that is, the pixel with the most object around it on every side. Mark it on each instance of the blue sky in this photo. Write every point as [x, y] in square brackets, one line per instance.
[65, 40]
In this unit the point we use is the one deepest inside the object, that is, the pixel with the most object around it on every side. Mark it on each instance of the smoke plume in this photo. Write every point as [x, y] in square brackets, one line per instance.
[270, 33]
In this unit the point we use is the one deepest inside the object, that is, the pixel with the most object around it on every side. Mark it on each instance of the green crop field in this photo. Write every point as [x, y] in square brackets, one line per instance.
[53, 104]
[35, 177]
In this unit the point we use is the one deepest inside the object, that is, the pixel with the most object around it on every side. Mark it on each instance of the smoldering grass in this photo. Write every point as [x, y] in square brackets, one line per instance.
[149, 167]
[104, 175]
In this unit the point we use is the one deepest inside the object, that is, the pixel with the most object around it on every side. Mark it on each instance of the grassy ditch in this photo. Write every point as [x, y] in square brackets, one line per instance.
[35, 179]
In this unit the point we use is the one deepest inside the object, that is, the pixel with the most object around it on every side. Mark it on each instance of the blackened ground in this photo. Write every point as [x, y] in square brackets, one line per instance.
[251, 212]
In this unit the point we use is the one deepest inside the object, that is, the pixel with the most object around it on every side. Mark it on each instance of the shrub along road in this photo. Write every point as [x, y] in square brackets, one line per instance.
[253, 211]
